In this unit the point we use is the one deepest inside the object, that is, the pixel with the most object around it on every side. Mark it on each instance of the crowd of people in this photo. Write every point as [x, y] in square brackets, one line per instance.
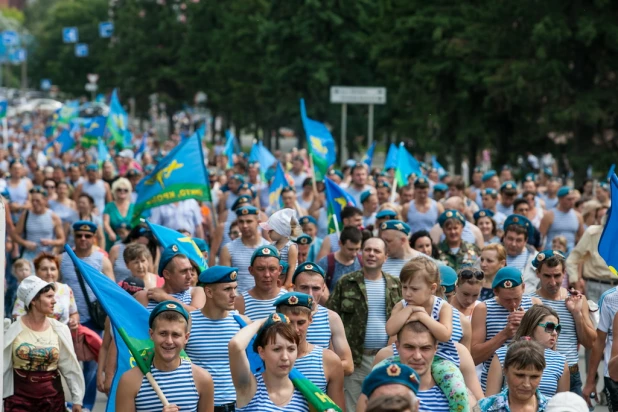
[436, 296]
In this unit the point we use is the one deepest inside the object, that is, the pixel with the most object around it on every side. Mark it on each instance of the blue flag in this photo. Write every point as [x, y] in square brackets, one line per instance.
[391, 157]
[102, 152]
[143, 145]
[609, 238]
[336, 200]
[611, 171]
[406, 165]
[436, 165]
[179, 176]
[117, 121]
[64, 139]
[274, 192]
[263, 156]
[368, 157]
[320, 143]
[229, 148]
[4, 106]
[186, 245]
[94, 129]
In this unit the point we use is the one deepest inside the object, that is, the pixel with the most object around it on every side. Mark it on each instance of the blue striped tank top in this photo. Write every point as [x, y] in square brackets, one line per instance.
[207, 348]
[564, 224]
[319, 332]
[185, 297]
[261, 401]
[567, 339]
[312, 367]
[256, 309]
[229, 201]
[422, 221]
[433, 400]
[284, 253]
[552, 373]
[121, 271]
[241, 258]
[393, 266]
[177, 385]
[67, 270]
[39, 227]
[334, 242]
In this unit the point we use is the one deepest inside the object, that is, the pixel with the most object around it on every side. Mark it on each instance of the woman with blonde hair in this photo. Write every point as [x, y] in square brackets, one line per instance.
[493, 258]
[117, 211]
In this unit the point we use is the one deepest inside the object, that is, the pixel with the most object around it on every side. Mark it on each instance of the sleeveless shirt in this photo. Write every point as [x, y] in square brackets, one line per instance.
[312, 367]
[256, 309]
[67, 270]
[177, 385]
[241, 258]
[319, 332]
[261, 401]
[422, 221]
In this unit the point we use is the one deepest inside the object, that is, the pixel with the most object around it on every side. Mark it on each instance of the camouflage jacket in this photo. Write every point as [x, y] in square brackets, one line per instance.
[466, 256]
[349, 300]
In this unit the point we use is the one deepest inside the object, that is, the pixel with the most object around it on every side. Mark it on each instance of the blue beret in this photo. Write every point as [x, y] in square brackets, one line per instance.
[421, 181]
[248, 186]
[365, 195]
[383, 184]
[386, 214]
[604, 185]
[271, 320]
[518, 220]
[508, 185]
[246, 210]
[488, 175]
[265, 251]
[308, 219]
[396, 225]
[133, 172]
[451, 214]
[168, 306]
[530, 177]
[564, 191]
[391, 374]
[303, 239]
[489, 192]
[448, 277]
[440, 187]
[506, 167]
[335, 172]
[218, 274]
[123, 224]
[294, 299]
[308, 267]
[508, 277]
[201, 244]
[544, 255]
[92, 167]
[483, 213]
[238, 177]
[284, 266]
[84, 226]
[167, 255]
[478, 169]
[548, 172]
[241, 201]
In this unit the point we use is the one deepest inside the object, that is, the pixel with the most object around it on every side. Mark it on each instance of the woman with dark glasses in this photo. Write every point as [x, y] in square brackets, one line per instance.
[540, 324]
[467, 290]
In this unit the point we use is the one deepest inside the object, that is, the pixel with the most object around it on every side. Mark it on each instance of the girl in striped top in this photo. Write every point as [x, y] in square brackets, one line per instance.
[277, 344]
[281, 227]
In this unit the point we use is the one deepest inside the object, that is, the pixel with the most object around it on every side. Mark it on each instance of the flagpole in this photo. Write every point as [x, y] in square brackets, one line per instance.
[157, 389]
[394, 190]
[313, 181]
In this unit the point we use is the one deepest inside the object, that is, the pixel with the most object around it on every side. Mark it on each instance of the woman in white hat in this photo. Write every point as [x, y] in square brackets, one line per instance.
[37, 350]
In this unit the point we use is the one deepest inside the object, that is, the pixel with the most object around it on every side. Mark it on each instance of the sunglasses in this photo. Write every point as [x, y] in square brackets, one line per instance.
[83, 235]
[550, 327]
[469, 274]
[38, 190]
[122, 190]
[235, 233]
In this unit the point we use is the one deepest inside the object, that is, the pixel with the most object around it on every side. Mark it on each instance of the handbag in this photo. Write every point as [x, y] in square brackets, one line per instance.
[95, 310]
[83, 346]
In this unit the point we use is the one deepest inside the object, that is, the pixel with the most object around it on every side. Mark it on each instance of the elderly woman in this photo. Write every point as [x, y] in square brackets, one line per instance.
[454, 251]
[37, 350]
[117, 211]
[65, 310]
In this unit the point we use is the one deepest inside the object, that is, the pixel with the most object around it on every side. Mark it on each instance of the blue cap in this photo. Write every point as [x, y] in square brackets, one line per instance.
[365, 195]
[386, 214]
[167, 255]
[421, 181]
[303, 239]
[396, 225]
[518, 220]
[248, 186]
[241, 201]
[238, 177]
[123, 224]
[440, 187]
[544, 255]
[451, 214]
[284, 266]
[246, 210]
[478, 169]
[218, 274]
[391, 374]
[448, 277]
[530, 177]
[92, 167]
[294, 299]
[489, 192]
[201, 244]
[508, 185]
[84, 226]
[564, 191]
[508, 277]
[265, 251]
[483, 213]
[307, 219]
[168, 306]
[308, 267]
[488, 175]
[383, 184]
[548, 172]
[604, 185]
[335, 172]
[506, 167]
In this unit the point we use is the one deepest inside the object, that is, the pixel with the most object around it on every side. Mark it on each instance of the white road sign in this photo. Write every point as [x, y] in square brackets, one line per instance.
[358, 95]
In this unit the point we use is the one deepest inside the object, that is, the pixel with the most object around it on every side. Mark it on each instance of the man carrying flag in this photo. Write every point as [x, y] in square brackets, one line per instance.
[186, 387]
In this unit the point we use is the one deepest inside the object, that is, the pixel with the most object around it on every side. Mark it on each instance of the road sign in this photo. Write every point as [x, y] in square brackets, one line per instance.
[81, 50]
[46, 84]
[93, 78]
[10, 38]
[70, 35]
[17, 56]
[91, 87]
[358, 95]
[106, 29]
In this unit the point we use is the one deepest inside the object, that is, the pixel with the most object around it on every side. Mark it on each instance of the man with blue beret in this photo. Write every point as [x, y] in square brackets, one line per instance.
[95, 187]
[304, 244]
[335, 175]
[489, 201]
[564, 220]
[321, 365]
[439, 191]
[422, 211]
[392, 379]
[265, 267]
[495, 321]
[508, 193]
[454, 250]
[517, 231]
[369, 202]
[177, 270]
[383, 192]
[186, 385]
[490, 180]
[549, 192]
[396, 236]
[310, 227]
[213, 327]
[506, 173]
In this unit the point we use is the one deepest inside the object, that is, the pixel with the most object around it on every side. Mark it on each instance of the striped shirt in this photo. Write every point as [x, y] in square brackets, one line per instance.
[284, 253]
[422, 221]
[207, 348]
[564, 224]
[67, 270]
[312, 367]
[256, 309]
[319, 332]
[567, 339]
[261, 401]
[184, 297]
[177, 385]
[393, 266]
[433, 400]
[334, 242]
[505, 210]
[608, 307]
[552, 373]
[375, 334]
[518, 261]
[240, 256]
[121, 271]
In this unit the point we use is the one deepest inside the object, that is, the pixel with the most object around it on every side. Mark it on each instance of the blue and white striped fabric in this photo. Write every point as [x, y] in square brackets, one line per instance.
[319, 332]
[67, 271]
[312, 367]
[422, 221]
[564, 224]
[507, 211]
[284, 253]
[207, 348]
[256, 309]
[393, 266]
[554, 368]
[519, 261]
[241, 258]
[457, 334]
[375, 334]
[433, 400]
[261, 401]
[567, 339]
[177, 385]
[184, 297]
[446, 350]
[334, 242]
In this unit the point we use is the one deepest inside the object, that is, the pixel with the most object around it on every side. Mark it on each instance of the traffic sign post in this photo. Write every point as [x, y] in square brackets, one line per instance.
[70, 35]
[81, 50]
[356, 95]
[106, 29]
